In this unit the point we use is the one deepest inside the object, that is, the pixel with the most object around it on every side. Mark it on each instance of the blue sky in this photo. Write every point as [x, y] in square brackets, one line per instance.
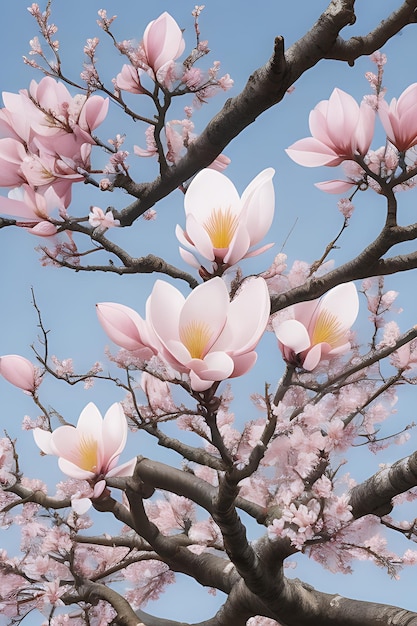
[240, 35]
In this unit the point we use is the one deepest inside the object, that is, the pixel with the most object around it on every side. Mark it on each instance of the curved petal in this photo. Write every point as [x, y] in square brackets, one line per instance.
[200, 237]
[210, 190]
[189, 258]
[239, 245]
[43, 439]
[293, 334]
[335, 186]
[122, 324]
[163, 299]
[72, 470]
[215, 366]
[204, 312]
[342, 301]
[258, 205]
[114, 429]
[243, 363]
[125, 469]
[246, 319]
[311, 152]
[313, 357]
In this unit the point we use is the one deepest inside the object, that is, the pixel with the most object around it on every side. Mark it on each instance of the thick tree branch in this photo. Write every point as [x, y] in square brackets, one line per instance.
[374, 496]
[266, 87]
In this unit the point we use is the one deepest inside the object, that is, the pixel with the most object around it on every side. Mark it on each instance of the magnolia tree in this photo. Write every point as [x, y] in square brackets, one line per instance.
[283, 478]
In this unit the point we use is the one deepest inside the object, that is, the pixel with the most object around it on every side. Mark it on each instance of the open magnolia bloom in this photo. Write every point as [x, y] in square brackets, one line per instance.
[91, 450]
[341, 130]
[221, 226]
[320, 328]
[206, 335]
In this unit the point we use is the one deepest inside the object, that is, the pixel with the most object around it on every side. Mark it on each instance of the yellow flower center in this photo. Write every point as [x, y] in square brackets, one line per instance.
[195, 337]
[88, 454]
[328, 329]
[221, 226]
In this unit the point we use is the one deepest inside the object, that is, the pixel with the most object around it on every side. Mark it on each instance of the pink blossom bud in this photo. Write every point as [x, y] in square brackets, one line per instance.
[19, 372]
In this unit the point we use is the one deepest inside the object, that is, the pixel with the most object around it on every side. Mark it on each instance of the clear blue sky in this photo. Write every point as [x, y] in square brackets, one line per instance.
[240, 35]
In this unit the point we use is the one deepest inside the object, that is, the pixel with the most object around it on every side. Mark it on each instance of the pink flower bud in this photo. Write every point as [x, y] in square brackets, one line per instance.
[18, 371]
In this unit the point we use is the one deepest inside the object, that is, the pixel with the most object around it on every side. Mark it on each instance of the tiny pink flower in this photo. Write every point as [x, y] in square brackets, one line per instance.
[97, 217]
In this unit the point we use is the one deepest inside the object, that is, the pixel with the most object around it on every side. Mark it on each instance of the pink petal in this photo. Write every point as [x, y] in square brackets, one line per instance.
[81, 505]
[335, 186]
[293, 334]
[311, 152]
[313, 357]
[207, 305]
[123, 325]
[165, 297]
[258, 205]
[342, 301]
[114, 430]
[72, 470]
[210, 190]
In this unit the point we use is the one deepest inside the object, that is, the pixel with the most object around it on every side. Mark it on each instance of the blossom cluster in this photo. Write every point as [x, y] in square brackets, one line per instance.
[45, 148]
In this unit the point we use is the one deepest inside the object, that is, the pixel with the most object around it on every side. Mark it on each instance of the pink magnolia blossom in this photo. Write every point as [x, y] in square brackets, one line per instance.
[206, 335]
[399, 119]
[127, 329]
[19, 372]
[340, 131]
[162, 41]
[91, 450]
[129, 79]
[320, 328]
[220, 225]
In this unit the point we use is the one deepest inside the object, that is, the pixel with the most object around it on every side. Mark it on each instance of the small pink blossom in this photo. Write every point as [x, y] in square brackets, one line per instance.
[129, 79]
[97, 217]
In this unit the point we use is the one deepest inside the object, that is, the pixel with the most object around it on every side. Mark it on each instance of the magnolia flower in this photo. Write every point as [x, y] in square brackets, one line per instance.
[206, 335]
[91, 450]
[340, 131]
[319, 329]
[221, 226]
[399, 119]
[129, 79]
[162, 41]
[19, 372]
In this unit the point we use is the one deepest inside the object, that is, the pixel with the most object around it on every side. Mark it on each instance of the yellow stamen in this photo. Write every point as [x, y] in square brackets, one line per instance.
[87, 454]
[221, 226]
[195, 337]
[328, 329]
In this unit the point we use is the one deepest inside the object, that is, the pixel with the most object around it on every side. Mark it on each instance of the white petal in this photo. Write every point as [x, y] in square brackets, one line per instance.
[293, 334]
